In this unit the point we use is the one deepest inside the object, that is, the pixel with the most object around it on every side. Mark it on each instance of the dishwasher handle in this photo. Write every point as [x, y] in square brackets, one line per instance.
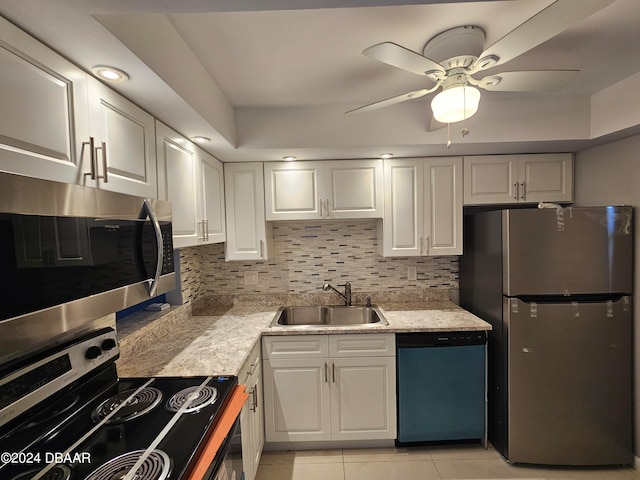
[440, 339]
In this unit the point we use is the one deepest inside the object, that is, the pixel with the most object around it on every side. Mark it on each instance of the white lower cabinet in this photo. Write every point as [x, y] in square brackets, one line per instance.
[252, 416]
[329, 387]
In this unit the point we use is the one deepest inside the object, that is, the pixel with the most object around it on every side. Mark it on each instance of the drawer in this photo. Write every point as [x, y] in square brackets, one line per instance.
[250, 365]
[305, 346]
[362, 345]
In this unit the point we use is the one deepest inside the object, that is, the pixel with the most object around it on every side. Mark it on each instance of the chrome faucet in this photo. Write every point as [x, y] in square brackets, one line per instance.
[346, 296]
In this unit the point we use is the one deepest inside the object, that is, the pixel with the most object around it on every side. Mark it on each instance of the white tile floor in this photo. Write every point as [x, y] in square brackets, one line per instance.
[433, 463]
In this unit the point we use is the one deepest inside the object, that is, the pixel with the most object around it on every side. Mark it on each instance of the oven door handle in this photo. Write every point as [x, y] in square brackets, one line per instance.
[147, 211]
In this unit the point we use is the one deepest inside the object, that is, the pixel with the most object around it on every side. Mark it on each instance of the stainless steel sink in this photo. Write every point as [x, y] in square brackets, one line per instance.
[330, 316]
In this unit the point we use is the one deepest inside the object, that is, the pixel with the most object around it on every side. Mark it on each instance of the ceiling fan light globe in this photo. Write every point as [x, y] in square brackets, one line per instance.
[455, 104]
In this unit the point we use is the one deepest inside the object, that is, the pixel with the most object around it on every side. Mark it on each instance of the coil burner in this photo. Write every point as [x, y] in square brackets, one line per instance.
[59, 472]
[142, 402]
[206, 396]
[155, 466]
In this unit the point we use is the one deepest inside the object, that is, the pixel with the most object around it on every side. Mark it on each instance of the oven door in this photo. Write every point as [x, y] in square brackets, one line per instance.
[228, 462]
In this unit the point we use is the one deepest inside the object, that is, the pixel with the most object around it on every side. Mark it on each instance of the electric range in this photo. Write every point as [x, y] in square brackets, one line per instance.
[65, 415]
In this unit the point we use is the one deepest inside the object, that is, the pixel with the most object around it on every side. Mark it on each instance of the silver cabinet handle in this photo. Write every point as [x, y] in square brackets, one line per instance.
[326, 373]
[261, 249]
[321, 207]
[200, 229]
[104, 175]
[517, 188]
[427, 244]
[333, 372]
[92, 157]
[254, 394]
[327, 207]
[522, 191]
[206, 230]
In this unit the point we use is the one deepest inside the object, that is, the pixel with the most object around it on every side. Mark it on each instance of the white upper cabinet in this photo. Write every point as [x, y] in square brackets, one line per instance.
[60, 124]
[507, 179]
[43, 100]
[192, 181]
[124, 155]
[244, 199]
[212, 178]
[423, 207]
[328, 189]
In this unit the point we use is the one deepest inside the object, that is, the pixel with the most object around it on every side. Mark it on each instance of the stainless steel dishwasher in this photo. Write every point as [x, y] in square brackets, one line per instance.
[441, 387]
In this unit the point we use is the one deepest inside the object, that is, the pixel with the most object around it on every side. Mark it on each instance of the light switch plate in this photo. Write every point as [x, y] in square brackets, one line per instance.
[412, 273]
[251, 278]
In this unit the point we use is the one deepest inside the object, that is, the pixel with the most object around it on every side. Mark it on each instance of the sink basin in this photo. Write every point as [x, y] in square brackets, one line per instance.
[330, 316]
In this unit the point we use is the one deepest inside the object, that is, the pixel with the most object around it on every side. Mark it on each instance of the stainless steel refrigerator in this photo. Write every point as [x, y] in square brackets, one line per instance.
[555, 284]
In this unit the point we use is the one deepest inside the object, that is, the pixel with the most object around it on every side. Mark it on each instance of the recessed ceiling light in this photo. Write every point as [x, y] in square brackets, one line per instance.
[111, 74]
[200, 139]
[289, 158]
[385, 155]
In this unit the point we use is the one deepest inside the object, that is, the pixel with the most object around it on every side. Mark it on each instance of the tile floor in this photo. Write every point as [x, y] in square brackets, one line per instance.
[433, 463]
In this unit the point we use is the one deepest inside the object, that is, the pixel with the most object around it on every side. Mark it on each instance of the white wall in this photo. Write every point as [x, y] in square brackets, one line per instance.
[610, 175]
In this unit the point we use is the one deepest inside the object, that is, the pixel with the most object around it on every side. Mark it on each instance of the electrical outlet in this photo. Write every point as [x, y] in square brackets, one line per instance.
[251, 278]
[412, 273]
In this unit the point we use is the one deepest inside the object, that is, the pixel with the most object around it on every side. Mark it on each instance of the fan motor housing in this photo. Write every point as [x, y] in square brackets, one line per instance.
[458, 47]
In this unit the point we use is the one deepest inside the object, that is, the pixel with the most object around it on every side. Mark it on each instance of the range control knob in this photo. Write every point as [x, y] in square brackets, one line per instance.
[93, 352]
[108, 344]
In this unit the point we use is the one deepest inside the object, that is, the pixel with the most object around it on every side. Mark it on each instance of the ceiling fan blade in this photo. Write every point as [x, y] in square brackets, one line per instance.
[546, 24]
[403, 58]
[393, 100]
[528, 81]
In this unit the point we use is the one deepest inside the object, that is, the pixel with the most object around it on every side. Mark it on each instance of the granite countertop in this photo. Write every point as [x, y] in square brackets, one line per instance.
[218, 340]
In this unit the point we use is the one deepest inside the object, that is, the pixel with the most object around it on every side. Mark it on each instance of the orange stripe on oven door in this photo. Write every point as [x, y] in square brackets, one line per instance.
[220, 432]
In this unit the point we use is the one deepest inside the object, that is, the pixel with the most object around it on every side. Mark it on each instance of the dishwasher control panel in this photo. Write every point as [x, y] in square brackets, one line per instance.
[440, 339]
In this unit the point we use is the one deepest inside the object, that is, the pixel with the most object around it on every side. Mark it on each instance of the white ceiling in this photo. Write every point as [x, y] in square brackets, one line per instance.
[265, 79]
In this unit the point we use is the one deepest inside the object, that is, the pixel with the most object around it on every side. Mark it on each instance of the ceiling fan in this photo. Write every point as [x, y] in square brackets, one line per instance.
[452, 59]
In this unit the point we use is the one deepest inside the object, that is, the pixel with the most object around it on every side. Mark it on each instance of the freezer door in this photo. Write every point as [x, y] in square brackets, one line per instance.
[569, 382]
[567, 251]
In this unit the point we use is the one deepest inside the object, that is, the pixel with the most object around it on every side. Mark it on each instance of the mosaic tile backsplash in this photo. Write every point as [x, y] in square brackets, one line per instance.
[305, 255]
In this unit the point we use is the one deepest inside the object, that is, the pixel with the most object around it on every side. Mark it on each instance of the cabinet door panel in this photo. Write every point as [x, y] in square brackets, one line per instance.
[403, 192]
[443, 209]
[213, 192]
[363, 398]
[244, 198]
[490, 179]
[292, 191]
[355, 188]
[177, 181]
[298, 394]
[43, 101]
[546, 178]
[129, 135]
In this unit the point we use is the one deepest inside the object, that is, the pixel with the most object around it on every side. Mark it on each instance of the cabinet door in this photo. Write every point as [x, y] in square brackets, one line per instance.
[244, 198]
[443, 206]
[127, 162]
[297, 395]
[292, 191]
[354, 189]
[546, 178]
[363, 398]
[490, 179]
[177, 179]
[403, 208]
[252, 425]
[43, 101]
[212, 184]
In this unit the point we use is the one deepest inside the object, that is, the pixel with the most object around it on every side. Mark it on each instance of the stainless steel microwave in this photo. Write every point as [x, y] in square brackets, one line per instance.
[71, 254]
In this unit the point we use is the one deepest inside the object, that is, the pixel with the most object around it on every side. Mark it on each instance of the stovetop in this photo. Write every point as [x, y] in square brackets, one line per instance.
[101, 426]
